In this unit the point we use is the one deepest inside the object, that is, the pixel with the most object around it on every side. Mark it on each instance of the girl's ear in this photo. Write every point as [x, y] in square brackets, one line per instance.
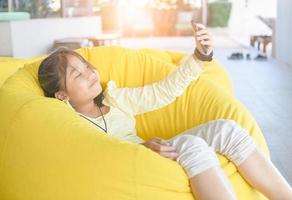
[61, 95]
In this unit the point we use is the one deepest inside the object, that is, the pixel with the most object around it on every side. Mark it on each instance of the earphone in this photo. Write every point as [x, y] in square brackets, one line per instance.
[104, 129]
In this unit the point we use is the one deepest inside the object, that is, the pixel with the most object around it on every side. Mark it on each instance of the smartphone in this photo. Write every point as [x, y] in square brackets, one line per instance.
[195, 28]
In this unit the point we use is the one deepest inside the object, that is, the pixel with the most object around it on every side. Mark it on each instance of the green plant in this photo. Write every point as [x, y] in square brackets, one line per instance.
[36, 8]
[219, 13]
[3, 5]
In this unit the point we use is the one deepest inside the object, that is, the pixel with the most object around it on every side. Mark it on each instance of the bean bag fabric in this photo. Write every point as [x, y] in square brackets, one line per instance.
[48, 152]
[9, 66]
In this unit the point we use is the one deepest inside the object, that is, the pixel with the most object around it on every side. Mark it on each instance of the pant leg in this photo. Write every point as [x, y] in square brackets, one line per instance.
[195, 156]
[227, 137]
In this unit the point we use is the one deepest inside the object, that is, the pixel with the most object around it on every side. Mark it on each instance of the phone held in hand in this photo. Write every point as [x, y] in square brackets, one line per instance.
[196, 28]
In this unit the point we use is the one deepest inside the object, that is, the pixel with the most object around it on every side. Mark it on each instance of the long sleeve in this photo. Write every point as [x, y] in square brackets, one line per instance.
[153, 96]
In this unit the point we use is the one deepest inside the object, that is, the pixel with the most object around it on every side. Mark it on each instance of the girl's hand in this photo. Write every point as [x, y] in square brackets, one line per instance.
[161, 147]
[204, 42]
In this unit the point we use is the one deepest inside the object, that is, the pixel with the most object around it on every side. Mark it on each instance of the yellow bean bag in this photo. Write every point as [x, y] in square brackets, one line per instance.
[48, 152]
[9, 66]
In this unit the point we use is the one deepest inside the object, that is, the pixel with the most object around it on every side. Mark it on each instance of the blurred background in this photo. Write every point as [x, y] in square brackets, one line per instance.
[252, 40]
[245, 22]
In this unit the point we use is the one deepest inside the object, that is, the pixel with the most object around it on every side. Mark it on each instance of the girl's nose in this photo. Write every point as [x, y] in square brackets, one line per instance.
[91, 74]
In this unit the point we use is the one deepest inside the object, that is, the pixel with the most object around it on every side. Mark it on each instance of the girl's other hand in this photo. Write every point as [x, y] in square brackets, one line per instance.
[161, 147]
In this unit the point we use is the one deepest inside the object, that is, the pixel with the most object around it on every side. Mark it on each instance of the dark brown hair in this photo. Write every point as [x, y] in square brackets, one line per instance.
[52, 73]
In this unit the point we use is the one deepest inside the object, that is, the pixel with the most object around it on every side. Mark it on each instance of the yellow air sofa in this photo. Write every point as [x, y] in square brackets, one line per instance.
[47, 152]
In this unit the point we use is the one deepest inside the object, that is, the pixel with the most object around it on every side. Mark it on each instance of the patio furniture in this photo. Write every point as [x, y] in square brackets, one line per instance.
[79, 42]
[71, 8]
[14, 16]
[264, 40]
[29, 38]
[71, 43]
[106, 38]
[260, 40]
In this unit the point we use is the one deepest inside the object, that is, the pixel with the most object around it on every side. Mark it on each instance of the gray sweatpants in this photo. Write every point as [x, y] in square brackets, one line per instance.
[197, 146]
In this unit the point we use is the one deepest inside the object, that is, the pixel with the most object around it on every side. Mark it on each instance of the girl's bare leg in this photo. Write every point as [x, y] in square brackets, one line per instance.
[212, 184]
[229, 138]
[207, 178]
[260, 172]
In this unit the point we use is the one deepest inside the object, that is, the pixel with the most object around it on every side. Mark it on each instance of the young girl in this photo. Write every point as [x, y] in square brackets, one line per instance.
[65, 75]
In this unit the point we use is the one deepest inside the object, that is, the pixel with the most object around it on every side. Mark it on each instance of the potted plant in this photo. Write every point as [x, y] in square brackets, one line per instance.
[110, 12]
[164, 16]
[219, 13]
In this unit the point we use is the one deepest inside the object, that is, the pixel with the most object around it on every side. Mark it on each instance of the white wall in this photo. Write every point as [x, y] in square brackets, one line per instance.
[284, 32]
[244, 22]
[5, 39]
[30, 38]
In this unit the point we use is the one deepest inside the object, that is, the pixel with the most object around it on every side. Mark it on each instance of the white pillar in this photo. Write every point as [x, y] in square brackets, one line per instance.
[204, 12]
[10, 5]
[284, 31]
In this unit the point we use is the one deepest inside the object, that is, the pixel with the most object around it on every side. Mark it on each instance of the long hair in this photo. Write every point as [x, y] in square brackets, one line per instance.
[53, 69]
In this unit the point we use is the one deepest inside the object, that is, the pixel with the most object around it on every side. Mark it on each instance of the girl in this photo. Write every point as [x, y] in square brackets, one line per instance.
[67, 76]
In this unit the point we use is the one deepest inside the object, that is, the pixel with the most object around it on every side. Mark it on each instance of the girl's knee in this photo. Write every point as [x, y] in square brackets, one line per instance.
[230, 129]
[189, 142]
[195, 156]
[233, 141]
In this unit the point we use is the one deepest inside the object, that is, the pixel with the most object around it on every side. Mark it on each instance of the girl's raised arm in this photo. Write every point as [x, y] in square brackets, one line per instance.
[156, 95]
[159, 94]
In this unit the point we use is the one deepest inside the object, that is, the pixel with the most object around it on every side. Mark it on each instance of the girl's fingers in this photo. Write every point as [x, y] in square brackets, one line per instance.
[162, 141]
[171, 155]
[208, 43]
[202, 32]
[200, 26]
[205, 40]
[203, 37]
[159, 148]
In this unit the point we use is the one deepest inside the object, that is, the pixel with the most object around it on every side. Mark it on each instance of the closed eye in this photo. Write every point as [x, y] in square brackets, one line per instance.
[78, 75]
[87, 66]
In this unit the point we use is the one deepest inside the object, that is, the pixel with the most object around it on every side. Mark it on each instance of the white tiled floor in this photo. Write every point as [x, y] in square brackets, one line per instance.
[265, 88]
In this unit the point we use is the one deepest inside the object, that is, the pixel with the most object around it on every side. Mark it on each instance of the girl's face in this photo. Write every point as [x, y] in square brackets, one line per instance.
[82, 82]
